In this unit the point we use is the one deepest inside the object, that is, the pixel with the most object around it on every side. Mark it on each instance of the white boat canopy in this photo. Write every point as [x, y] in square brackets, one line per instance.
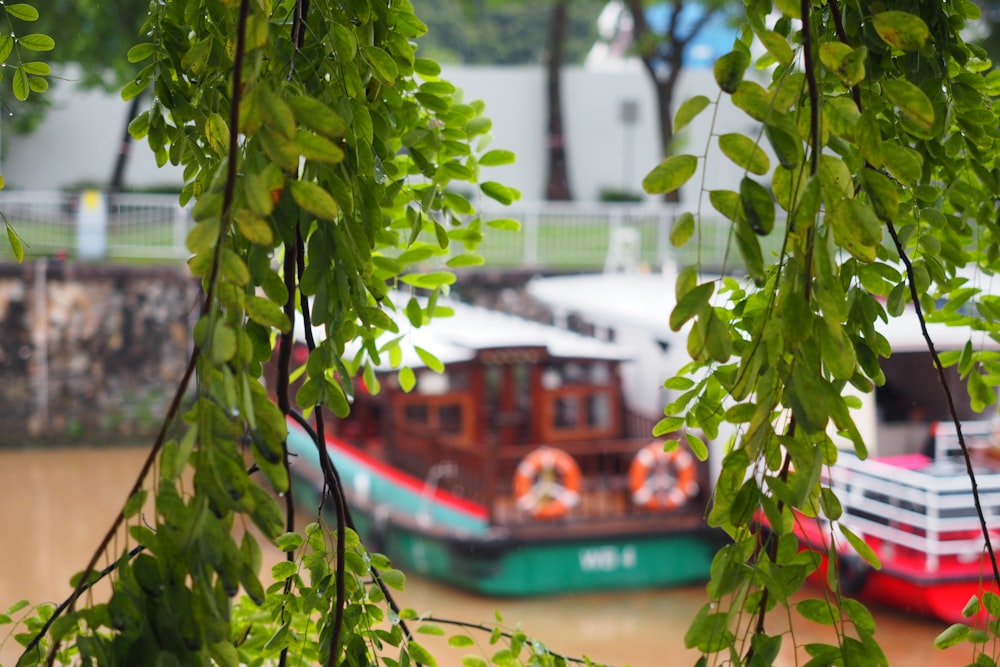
[472, 329]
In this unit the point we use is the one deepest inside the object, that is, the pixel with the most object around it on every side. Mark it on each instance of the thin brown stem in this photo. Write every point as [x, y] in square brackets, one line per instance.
[936, 360]
[282, 390]
[83, 584]
[174, 408]
[809, 65]
[952, 410]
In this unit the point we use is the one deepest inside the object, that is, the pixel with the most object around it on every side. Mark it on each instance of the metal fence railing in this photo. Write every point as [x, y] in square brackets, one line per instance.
[556, 235]
[138, 226]
[592, 235]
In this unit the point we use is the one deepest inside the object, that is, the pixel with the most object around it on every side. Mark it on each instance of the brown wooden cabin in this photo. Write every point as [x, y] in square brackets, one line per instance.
[493, 406]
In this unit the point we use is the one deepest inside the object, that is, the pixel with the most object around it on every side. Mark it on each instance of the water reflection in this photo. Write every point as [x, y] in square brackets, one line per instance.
[57, 504]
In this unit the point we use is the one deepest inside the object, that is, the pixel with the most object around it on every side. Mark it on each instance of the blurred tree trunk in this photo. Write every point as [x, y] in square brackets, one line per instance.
[663, 57]
[557, 182]
[117, 180]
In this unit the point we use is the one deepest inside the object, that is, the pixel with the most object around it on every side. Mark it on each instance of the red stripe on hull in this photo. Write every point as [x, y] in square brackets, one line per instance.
[403, 479]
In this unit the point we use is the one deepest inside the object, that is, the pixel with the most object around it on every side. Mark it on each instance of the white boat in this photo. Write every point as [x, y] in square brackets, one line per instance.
[909, 500]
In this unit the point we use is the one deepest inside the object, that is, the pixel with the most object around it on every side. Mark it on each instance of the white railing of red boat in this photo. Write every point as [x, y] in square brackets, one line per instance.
[915, 503]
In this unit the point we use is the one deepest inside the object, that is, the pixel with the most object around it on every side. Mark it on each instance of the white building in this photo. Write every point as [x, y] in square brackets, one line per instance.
[610, 121]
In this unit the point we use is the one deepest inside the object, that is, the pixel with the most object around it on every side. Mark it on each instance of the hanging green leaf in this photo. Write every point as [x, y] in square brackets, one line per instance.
[911, 101]
[15, 244]
[431, 361]
[689, 110]
[883, 194]
[317, 116]
[223, 346]
[846, 63]
[953, 635]
[23, 12]
[789, 186]
[842, 117]
[501, 193]
[869, 138]
[6, 47]
[670, 174]
[837, 350]
[861, 547]
[729, 70]
[856, 228]
[754, 100]
[254, 228]
[777, 46]
[267, 313]
[504, 224]
[745, 152]
[316, 148]
[786, 144]
[727, 202]
[36, 42]
[407, 379]
[901, 30]
[818, 611]
[383, 66]
[496, 158]
[19, 84]
[690, 304]
[314, 199]
[902, 162]
[279, 149]
[682, 229]
[431, 280]
[749, 247]
[757, 205]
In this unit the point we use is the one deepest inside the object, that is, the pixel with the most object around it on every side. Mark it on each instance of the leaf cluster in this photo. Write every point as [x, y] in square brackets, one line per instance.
[323, 161]
[874, 160]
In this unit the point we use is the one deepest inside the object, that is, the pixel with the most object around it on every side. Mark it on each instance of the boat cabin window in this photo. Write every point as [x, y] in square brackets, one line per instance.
[557, 375]
[910, 400]
[912, 393]
[448, 416]
[450, 419]
[599, 411]
[566, 413]
[440, 404]
[416, 414]
[578, 400]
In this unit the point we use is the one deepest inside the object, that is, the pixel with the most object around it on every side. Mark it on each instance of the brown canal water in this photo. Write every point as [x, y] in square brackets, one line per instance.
[56, 504]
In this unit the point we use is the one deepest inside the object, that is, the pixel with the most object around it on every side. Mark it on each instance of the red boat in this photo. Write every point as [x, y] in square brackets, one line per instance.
[916, 513]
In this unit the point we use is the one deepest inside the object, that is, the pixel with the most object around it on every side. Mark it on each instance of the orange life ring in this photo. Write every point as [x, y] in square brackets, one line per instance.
[662, 480]
[547, 483]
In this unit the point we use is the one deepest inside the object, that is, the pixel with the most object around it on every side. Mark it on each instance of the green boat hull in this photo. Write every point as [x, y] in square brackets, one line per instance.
[505, 567]
[559, 567]
[450, 547]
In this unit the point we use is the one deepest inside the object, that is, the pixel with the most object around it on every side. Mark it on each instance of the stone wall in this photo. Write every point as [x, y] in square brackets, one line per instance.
[93, 354]
[90, 353]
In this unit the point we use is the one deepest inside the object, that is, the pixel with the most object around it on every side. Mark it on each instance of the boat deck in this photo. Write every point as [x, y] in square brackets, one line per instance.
[915, 511]
[599, 512]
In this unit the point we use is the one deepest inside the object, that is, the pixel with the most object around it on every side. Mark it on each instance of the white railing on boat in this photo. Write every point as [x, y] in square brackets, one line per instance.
[927, 510]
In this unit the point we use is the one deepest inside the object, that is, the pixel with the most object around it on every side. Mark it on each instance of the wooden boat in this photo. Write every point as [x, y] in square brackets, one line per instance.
[519, 470]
